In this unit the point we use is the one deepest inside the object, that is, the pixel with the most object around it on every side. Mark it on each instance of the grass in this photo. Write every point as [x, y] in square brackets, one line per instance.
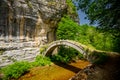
[17, 69]
[54, 72]
[41, 61]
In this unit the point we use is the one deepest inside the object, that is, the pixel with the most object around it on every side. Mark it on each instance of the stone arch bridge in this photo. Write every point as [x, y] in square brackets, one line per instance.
[89, 53]
[78, 46]
[50, 47]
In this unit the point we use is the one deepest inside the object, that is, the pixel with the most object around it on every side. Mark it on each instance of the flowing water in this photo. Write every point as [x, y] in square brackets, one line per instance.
[57, 71]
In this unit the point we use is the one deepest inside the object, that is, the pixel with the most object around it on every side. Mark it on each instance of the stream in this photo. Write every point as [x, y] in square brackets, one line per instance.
[57, 71]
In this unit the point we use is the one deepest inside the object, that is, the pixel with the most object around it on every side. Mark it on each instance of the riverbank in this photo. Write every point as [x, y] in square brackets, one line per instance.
[109, 70]
[56, 71]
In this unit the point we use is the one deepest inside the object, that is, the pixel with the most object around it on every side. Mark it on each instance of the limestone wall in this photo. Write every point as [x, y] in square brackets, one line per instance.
[25, 25]
[30, 20]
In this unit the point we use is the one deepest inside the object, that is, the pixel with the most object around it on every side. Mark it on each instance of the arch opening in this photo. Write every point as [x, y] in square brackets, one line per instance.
[66, 54]
[52, 46]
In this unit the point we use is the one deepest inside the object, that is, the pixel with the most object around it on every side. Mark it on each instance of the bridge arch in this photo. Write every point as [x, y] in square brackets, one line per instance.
[79, 47]
[90, 54]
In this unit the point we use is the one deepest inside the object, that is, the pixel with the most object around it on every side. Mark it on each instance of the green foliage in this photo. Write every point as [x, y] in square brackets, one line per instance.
[116, 42]
[67, 29]
[106, 13]
[66, 54]
[59, 58]
[41, 61]
[71, 7]
[15, 70]
[85, 34]
[90, 36]
[43, 48]
[29, 4]
[98, 57]
[52, 3]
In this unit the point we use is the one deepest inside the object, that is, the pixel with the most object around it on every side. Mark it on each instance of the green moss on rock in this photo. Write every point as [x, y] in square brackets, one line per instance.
[97, 57]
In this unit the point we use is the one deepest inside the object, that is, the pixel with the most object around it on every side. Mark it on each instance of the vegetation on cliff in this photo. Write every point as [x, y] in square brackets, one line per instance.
[71, 9]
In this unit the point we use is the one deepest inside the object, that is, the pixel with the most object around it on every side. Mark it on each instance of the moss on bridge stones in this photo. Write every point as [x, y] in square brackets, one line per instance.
[94, 56]
[43, 48]
[98, 57]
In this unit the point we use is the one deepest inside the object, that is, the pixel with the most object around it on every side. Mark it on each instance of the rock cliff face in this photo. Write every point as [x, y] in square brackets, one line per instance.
[25, 24]
[30, 20]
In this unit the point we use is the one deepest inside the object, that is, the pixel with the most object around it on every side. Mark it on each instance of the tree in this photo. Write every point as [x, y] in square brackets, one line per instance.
[85, 34]
[67, 29]
[105, 12]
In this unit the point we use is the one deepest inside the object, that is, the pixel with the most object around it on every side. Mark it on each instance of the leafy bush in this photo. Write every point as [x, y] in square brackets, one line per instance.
[67, 29]
[15, 70]
[66, 54]
[71, 8]
[41, 61]
[60, 58]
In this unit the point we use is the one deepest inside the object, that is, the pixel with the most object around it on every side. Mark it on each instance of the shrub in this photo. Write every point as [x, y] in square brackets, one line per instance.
[15, 70]
[66, 31]
[41, 61]
[66, 54]
[60, 58]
